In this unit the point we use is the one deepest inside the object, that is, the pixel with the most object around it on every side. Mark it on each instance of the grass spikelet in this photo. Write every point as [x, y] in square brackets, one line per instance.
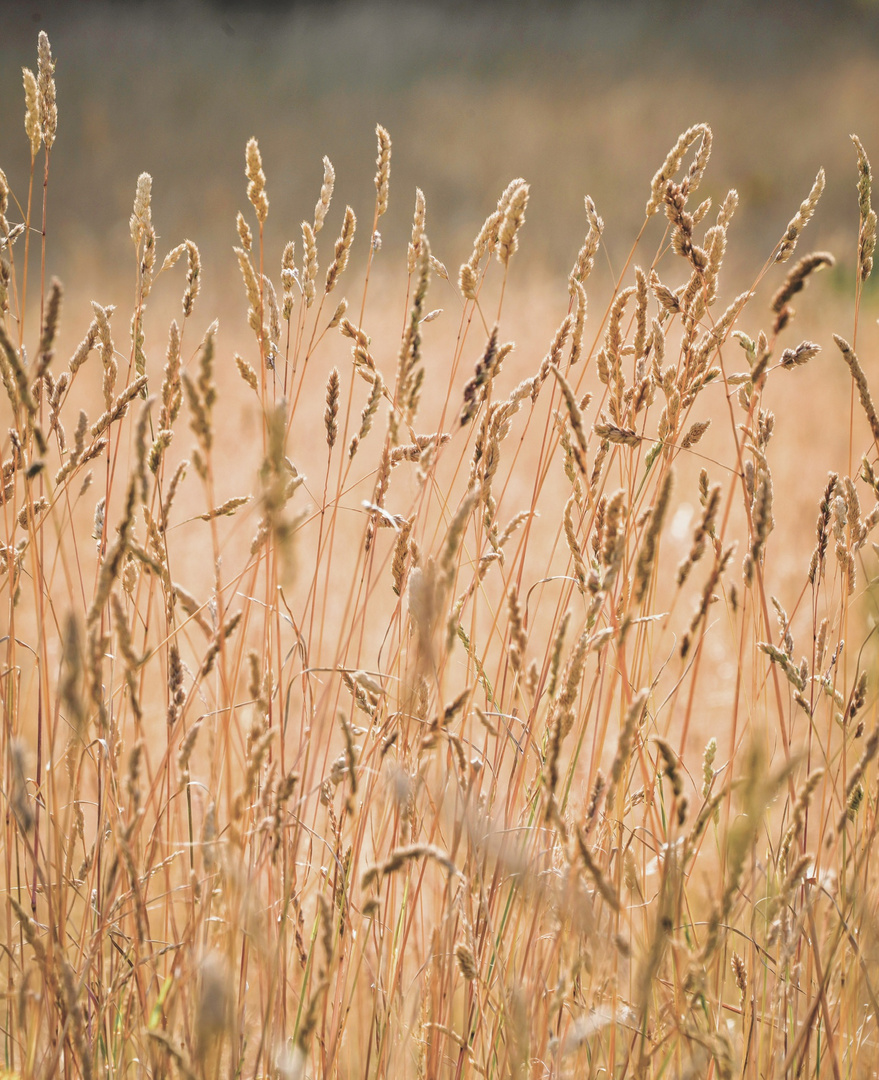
[802, 354]
[376, 507]
[556, 655]
[631, 722]
[708, 773]
[350, 758]
[226, 509]
[602, 885]
[118, 406]
[245, 234]
[567, 693]
[201, 394]
[401, 551]
[369, 411]
[338, 314]
[140, 222]
[342, 251]
[185, 754]
[613, 536]
[332, 410]
[670, 764]
[667, 299]
[800, 220]
[762, 523]
[383, 171]
[518, 634]
[32, 111]
[84, 348]
[108, 353]
[796, 280]
[466, 961]
[855, 777]
[247, 373]
[256, 181]
[647, 552]
[721, 560]
[455, 534]
[867, 231]
[51, 318]
[860, 379]
[409, 370]
[553, 357]
[289, 278]
[741, 975]
[467, 281]
[673, 162]
[193, 274]
[414, 249]
[309, 268]
[703, 531]
[46, 86]
[695, 433]
[816, 569]
[582, 268]
[573, 544]
[513, 220]
[474, 388]
[401, 857]
[575, 416]
[579, 323]
[172, 395]
[15, 380]
[798, 816]
[326, 195]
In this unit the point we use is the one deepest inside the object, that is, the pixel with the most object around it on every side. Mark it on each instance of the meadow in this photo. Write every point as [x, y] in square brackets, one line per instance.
[386, 693]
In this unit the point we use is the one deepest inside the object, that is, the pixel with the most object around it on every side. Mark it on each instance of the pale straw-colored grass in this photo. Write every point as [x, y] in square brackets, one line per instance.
[453, 720]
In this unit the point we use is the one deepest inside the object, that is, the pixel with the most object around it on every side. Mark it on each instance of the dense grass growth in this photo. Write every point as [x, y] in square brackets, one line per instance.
[401, 705]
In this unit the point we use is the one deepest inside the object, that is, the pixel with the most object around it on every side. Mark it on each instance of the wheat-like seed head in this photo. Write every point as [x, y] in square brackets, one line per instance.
[802, 217]
[256, 186]
[867, 233]
[46, 85]
[332, 409]
[513, 219]
[383, 173]
[326, 195]
[673, 161]
[245, 235]
[32, 111]
[309, 268]
[342, 251]
[414, 249]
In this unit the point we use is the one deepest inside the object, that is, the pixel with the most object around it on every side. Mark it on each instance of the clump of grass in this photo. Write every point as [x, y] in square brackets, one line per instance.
[401, 758]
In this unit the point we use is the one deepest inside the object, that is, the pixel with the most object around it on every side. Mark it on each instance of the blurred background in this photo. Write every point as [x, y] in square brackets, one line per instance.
[577, 98]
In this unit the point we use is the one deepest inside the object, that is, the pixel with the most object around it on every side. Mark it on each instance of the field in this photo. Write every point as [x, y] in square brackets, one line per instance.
[439, 607]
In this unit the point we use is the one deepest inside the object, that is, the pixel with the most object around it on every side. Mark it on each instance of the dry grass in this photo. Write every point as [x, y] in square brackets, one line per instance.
[441, 710]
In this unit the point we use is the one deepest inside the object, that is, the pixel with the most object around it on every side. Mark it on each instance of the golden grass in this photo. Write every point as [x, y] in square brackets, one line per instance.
[451, 724]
